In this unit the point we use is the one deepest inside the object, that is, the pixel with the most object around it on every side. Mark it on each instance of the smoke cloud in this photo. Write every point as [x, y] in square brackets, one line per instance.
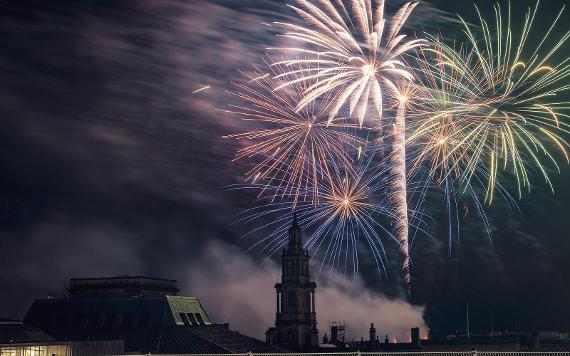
[237, 289]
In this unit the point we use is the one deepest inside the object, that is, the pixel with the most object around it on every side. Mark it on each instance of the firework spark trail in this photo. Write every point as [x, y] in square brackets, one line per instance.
[201, 89]
[505, 108]
[350, 212]
[293, 149]
[356, 55]
[490, 108]
[400, 187]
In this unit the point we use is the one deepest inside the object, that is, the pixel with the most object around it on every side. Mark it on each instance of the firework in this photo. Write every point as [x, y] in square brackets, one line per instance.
[351, 52]
[353, 210]
[355, 54]
[493, 105]
[293, 150]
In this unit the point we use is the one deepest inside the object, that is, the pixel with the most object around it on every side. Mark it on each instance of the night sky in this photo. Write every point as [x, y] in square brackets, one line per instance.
[110, 165]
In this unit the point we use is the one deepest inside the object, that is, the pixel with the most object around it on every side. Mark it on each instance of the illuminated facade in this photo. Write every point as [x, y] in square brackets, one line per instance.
[18, 339]
[35, 350]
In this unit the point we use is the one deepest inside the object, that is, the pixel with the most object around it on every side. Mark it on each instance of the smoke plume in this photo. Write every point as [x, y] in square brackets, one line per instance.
[235, 288]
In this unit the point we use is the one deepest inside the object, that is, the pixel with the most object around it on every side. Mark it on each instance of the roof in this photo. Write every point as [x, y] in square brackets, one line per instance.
[233, 341]
[122, 286]
[15, 332]
[87, 315]
[181, 307]
[159, 325]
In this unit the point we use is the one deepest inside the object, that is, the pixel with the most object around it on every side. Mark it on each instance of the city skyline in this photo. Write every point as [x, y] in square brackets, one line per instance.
[114, 163]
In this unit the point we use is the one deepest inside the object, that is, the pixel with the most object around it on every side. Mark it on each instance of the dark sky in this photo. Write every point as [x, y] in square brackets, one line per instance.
[110, 165]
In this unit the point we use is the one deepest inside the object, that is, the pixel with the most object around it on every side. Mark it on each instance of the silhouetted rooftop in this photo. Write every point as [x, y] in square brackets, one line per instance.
[122, 286]
[15, 332]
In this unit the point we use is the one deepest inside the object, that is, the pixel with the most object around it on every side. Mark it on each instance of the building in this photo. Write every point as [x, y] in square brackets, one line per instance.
[144, 314]
[295, 320]
[18, 339]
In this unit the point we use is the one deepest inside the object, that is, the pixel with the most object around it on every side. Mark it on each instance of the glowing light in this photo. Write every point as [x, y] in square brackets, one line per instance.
[498, 106]
[291, 149]
[354, 61]
[355, 55]
[201, 89]
[350, 213]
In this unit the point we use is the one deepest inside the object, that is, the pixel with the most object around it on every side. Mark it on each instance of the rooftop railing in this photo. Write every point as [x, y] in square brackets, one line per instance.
[408, 353]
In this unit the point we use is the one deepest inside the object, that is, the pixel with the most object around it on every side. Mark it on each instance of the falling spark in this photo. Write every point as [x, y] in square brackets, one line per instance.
[490, 108]
[354, 55]
[201, 89]
[352, 209]
[292, 149]
[259, 78]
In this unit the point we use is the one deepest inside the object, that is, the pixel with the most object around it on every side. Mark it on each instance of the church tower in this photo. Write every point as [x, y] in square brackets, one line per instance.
[296, 321]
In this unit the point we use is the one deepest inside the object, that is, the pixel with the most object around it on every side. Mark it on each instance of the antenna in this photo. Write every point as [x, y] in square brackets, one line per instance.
[492, 326]
[467, 319]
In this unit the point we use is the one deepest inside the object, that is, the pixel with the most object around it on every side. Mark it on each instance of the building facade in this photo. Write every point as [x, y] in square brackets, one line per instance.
[18, 339]
[296, 320]
[140, 314]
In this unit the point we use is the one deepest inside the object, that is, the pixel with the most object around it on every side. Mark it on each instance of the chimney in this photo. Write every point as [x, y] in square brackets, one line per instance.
[334, 334]
[415, 332]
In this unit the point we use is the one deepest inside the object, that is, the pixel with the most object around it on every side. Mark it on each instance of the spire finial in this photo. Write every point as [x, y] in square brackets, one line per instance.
[295, 221]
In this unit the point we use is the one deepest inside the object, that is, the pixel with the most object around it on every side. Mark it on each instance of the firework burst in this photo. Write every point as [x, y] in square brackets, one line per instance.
[355, 54]
[351, 52]
[493, 104]
[293, 150]
[353, 210]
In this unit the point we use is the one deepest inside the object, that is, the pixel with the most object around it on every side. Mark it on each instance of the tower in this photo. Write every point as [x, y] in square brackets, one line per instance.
[372, 334]
[295, 319]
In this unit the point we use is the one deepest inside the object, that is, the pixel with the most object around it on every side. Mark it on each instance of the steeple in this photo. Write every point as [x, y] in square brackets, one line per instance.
[295, 236]
[296, 321]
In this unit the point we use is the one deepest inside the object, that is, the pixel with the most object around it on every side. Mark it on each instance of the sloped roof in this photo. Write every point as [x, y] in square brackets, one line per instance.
[233, 341]
[182, 340]
[178, 305]
[165, 324]
[15, 332]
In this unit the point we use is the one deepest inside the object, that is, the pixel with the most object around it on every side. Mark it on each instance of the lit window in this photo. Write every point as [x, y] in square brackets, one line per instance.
[193, 319]
[184, 319]
[199, 317]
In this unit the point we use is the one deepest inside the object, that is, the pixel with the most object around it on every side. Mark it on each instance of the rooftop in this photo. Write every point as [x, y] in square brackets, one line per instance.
[15, 332]
[122, 286]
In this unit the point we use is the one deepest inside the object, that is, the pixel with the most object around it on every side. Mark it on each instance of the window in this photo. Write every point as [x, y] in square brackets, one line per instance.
[184, 319]
[8, 351]
[193, 319]
[199, 318]
[35, 351]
